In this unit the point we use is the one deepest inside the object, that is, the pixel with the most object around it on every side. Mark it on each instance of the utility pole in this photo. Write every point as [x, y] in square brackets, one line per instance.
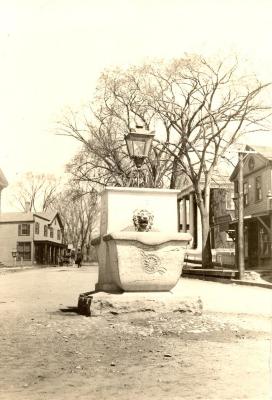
[239, 242]
[240, 247]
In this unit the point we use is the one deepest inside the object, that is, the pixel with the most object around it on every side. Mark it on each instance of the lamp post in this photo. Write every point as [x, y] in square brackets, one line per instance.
[139, 142]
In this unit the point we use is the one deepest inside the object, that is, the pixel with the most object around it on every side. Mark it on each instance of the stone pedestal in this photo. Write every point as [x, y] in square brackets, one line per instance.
[102, 303]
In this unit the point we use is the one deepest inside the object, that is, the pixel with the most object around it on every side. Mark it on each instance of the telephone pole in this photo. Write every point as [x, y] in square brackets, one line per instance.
[240, 247]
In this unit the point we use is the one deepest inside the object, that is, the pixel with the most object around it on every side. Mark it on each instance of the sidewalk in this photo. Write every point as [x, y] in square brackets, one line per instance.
[224, 275]
[30, 267]
[231, 298]
[18, 269]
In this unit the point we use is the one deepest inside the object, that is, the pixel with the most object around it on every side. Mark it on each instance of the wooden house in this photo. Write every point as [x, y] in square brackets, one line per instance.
[28, 238]
[257, 199]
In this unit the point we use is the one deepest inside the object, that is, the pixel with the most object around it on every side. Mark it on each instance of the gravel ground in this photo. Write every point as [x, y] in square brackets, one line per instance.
[49, 352]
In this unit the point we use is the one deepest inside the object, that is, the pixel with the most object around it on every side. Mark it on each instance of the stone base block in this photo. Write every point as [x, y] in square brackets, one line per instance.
[102, 303]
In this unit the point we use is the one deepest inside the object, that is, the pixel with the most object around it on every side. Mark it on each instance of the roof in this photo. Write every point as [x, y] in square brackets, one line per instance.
[220, 180]
[50, 216]
[264, 151]
[29, 216]
[3, 181]
[16, 217]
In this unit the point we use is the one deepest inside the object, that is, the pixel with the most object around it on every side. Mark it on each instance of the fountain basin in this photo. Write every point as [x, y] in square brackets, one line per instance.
[145, 261]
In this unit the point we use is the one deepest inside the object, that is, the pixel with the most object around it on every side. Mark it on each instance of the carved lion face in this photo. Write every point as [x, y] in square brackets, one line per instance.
[143, 220]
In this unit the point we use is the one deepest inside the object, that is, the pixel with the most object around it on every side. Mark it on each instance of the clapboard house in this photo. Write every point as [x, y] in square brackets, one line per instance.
[257, 199]
[30, 238]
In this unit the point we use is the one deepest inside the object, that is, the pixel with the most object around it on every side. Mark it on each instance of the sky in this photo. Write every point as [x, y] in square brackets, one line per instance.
[52, 52]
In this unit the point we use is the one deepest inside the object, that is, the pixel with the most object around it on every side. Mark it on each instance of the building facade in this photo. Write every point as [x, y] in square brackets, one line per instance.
[257, 199]
[221, 213]
[28, 238]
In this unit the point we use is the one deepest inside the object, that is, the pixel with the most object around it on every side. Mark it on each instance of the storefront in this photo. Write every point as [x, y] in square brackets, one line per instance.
[46, 252]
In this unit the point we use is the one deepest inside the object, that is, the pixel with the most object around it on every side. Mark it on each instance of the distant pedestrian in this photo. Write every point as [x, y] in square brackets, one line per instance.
[79, 260]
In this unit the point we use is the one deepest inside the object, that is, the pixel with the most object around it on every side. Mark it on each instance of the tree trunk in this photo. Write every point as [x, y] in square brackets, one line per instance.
[174, 174]
[206, 243]
[204, 208]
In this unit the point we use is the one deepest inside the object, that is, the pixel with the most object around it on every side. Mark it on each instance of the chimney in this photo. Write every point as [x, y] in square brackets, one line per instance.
[27, 206]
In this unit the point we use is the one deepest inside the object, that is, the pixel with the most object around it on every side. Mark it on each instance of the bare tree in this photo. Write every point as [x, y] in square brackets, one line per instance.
[120, 103]
[77, 206]
[199, 108]
[38, 191]
[206, 107]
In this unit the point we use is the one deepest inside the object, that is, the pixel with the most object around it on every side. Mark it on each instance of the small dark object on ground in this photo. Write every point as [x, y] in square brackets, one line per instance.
[84, 304]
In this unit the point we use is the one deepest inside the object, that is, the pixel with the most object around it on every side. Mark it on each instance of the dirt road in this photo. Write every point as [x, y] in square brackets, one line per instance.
[49, 352]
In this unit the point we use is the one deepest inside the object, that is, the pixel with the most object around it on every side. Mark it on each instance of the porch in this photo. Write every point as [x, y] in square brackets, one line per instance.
[47, 253]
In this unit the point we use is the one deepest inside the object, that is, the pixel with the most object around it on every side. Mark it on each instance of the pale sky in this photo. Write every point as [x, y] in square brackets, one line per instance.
[52, 52]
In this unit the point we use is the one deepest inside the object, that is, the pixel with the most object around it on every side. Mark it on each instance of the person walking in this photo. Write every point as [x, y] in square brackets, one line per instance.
[79, 259]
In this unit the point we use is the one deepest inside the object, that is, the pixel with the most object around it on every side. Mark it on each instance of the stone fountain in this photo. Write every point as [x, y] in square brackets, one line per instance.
[139, 248]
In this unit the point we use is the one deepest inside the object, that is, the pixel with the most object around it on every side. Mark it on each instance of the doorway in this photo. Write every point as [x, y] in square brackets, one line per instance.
[253, 244]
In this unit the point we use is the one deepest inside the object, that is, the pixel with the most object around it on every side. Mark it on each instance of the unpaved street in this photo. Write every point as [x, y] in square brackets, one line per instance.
[49, 352]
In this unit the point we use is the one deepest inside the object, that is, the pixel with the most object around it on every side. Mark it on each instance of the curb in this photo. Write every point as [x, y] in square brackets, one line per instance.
[250, 283]
[31, 267]
[228, 281]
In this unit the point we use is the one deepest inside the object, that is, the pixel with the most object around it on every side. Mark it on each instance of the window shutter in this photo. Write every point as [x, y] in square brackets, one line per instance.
[19, 230]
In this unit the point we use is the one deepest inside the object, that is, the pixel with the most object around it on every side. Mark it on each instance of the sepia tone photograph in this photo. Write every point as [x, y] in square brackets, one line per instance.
[136, 200]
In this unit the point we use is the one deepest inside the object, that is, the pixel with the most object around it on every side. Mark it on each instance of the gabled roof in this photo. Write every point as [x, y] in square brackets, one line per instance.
[50, 216]
[264, 152]
[3, 181]
[30, 216]
[220, 180]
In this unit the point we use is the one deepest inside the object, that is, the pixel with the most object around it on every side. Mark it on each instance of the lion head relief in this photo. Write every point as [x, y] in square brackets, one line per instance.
[143, 220]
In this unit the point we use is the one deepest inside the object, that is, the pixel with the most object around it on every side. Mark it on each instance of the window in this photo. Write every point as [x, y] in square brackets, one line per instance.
[24, 229]
[51, 232]
[37, 228]
[258, 188]
[236, 187]
[45, 230]
[229, 201]
[58, 234]
[251, 163]
[24, 250]
[246, 202]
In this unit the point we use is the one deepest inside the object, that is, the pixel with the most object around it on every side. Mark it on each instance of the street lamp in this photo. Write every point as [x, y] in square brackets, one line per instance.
[139, 142]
